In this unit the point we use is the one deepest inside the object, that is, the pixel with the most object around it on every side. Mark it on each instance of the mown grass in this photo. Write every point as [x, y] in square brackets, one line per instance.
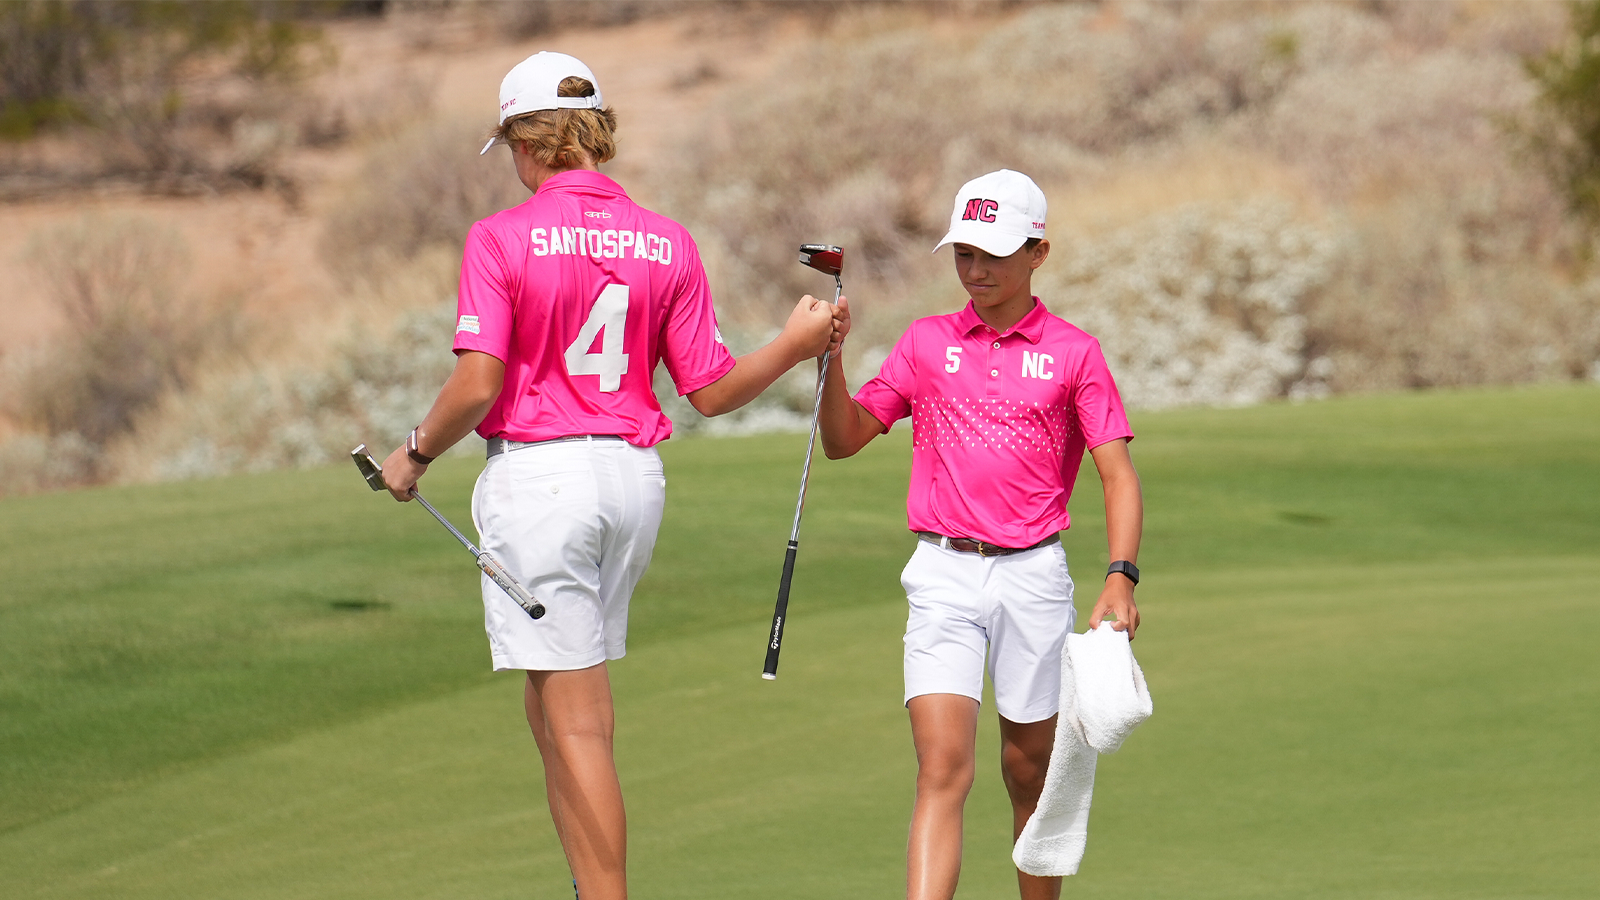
[1369, 629]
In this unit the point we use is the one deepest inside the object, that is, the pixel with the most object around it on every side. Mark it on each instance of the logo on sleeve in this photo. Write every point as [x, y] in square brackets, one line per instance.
[468, 324]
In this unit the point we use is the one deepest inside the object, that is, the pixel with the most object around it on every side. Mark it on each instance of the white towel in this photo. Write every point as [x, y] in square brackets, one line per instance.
[1103, 698]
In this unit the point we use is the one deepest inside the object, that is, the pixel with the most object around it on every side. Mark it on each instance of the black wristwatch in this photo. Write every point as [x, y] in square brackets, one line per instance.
[1126, 568]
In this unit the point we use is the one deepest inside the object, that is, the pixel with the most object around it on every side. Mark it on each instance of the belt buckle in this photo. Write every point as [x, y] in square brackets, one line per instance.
[983, 550]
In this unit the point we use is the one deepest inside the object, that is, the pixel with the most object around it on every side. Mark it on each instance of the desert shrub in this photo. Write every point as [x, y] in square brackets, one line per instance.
[132, 336]
[1203, 305]
[531, 18]
[420, 190]
[1564, 127]
[861, 138]
[131, 332]
[31, 462]
[1386, 122]
[1428, 293]
[371, 384]
[181, 96]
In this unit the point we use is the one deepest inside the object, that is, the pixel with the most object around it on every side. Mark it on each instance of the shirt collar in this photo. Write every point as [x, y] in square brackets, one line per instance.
[1030, 326]
[582, 180]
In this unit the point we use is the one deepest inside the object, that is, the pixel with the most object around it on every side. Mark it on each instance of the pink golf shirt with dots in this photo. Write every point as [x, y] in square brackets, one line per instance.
[999, 422]
[581, 292]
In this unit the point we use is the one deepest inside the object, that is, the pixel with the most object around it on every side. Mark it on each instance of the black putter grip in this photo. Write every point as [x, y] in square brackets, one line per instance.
[779, 613]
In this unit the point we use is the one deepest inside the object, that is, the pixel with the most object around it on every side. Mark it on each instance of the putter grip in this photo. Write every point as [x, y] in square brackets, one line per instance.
[492, 568]
[779, 613]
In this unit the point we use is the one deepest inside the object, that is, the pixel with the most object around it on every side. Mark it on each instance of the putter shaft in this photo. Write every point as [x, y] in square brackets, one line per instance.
[490, 566]
[373, 473]
[816, 415]
[780, 612]
[446, 523]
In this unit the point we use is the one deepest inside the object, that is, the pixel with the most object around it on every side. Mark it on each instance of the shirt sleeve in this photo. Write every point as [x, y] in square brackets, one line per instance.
[486, 299]
[888, 396]
[1096, 401]
[692, 346]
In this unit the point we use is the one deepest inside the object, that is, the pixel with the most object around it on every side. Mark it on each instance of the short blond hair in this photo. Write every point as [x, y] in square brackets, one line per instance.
[564, 138]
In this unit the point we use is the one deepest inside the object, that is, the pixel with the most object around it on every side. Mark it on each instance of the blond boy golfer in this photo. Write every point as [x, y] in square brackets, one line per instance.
[567, 303]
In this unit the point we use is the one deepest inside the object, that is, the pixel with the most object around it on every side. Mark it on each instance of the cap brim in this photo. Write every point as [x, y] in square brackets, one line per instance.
[988, 240]
[492, 142]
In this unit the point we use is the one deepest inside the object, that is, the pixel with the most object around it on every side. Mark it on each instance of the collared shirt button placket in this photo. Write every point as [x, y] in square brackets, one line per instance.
[993, 387]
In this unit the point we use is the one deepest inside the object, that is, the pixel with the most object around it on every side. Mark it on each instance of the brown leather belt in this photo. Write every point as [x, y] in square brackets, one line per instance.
[982, 548]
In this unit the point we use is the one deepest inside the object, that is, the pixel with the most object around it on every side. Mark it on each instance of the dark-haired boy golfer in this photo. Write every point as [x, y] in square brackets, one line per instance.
[1003, 398]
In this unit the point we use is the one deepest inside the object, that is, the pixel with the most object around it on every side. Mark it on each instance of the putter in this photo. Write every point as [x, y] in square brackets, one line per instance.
[829, 260]
[373, 473]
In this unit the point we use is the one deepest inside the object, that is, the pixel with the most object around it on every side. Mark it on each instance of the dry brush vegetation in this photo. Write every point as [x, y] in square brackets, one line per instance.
[1248, 202]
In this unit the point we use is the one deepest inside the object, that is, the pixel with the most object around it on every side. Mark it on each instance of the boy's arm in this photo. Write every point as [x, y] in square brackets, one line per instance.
[465, 399]
[810, 331]
[846, 425]
[1124, 526]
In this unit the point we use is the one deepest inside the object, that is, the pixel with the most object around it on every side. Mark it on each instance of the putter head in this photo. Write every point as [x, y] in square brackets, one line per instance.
[370, 470]
[825, 258]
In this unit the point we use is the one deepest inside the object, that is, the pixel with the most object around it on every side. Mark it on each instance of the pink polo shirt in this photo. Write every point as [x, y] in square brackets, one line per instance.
[999, 422]
[581, 292]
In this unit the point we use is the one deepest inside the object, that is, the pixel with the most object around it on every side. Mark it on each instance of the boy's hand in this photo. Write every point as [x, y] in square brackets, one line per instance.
[809, 331]
[841, 325]
[401, 473]
[1116, 602]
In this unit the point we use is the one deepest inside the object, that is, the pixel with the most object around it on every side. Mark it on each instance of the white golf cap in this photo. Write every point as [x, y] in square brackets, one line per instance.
[997, 213]
[531, 85]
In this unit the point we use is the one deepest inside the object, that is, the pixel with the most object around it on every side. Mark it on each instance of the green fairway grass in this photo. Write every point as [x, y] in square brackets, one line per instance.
[1369, 630]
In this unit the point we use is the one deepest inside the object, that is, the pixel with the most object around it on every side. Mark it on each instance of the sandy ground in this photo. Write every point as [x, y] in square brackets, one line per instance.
[257, 247]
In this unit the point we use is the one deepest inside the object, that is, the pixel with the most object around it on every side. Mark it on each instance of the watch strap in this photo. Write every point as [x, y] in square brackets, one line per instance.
[413, 451]
[1124, 567]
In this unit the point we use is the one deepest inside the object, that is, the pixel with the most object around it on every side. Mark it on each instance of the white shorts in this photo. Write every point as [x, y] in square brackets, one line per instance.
[1018, 608]
[575, 522]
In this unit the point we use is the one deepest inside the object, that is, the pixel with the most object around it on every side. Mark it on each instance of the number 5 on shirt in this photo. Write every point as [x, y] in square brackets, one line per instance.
[610, 316]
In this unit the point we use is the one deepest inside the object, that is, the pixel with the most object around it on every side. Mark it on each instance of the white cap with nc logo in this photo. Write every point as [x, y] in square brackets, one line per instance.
[997, 213]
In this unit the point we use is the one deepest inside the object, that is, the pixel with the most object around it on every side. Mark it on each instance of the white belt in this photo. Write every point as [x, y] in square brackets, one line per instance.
[499, 445]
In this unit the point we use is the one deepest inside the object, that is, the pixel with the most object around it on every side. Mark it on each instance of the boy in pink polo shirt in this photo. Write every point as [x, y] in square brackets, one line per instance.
[567, 303]
[1004, 399]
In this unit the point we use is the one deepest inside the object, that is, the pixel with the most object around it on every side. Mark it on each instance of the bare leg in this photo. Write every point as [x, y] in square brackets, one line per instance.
[571, 717]
[944, 728]
[1024, 760]
[541, 737]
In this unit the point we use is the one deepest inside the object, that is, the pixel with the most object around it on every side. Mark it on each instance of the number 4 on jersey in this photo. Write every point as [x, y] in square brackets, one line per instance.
[610, 316]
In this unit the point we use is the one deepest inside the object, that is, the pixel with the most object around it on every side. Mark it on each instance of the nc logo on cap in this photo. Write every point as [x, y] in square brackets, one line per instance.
[980, 210]
[997, 213]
